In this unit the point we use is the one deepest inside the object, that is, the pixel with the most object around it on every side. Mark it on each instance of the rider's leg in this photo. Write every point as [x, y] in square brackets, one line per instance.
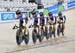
[63, 27]
[46, 28]
[54, 28]
[50, 31]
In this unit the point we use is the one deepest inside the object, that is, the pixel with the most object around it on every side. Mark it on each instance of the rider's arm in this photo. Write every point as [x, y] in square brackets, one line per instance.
[45, 20]
[54, 21]
[16, 17]
[38, 16]
[48, 19]
[58, 20]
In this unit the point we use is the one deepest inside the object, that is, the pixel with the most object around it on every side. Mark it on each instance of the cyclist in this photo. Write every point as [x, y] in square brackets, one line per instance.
[34, 16]
[42, 19]
[62, 18]
[52, 18]
[20, 20]
[19, 16]
[52, 22]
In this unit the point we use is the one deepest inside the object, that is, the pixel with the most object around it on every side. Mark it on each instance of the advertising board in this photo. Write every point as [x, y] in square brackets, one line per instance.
[7, 16]
[71, 4]
[54, 9]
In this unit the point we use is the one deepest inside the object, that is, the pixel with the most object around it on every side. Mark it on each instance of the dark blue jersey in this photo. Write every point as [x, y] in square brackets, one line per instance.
[20, 17]
[42, 20]
[52, 18]
[35, 17]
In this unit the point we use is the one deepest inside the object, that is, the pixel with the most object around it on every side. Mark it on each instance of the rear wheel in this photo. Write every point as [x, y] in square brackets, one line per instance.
[26, 39]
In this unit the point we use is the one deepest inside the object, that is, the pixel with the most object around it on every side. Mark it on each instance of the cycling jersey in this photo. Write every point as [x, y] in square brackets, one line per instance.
[42, 20]
[63, 18]
[52, 19]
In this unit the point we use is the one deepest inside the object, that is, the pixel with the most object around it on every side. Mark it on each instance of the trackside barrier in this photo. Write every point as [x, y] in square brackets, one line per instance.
[7, 16]
[10, 16]
[59, 7]
[71, 4]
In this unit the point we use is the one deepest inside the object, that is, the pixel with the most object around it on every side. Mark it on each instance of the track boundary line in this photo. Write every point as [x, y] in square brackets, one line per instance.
[33, 47]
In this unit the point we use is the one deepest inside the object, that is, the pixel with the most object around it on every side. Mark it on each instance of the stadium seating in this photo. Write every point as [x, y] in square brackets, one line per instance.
[25, 6]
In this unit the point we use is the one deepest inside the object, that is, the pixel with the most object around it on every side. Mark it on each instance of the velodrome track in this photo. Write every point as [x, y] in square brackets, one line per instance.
[62, 45]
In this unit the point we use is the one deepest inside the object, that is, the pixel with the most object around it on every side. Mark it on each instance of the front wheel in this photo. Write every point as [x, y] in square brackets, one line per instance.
[47, 36]
[19, 40]
[18, 37]
[34, 37]
[40, 39]
[42, 34]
